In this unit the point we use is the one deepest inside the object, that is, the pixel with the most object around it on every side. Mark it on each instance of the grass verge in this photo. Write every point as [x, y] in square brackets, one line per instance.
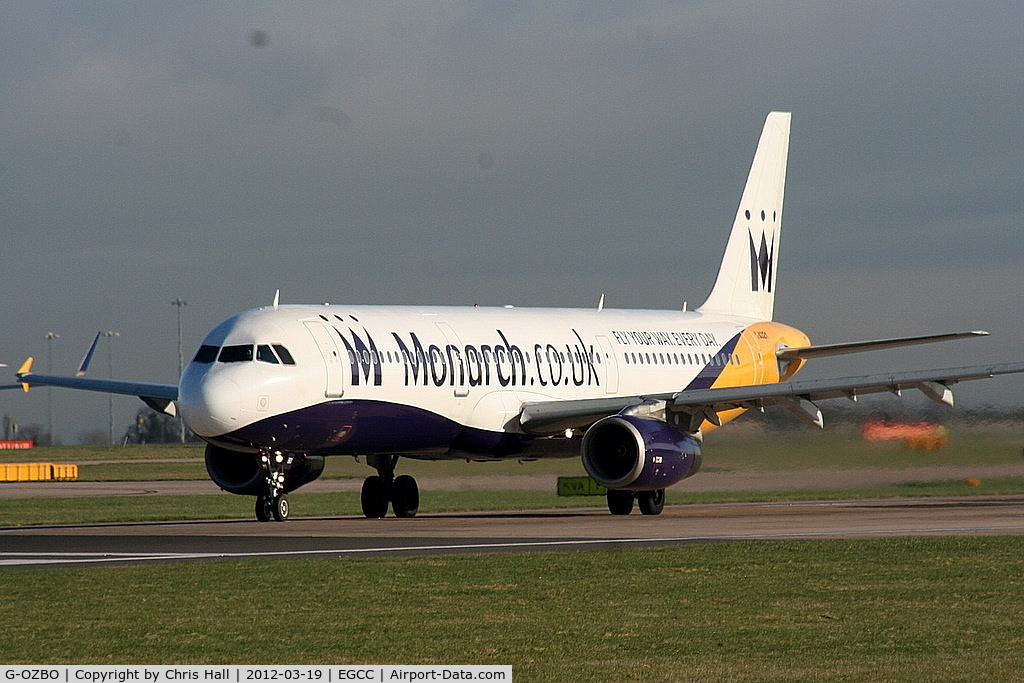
[883, 609]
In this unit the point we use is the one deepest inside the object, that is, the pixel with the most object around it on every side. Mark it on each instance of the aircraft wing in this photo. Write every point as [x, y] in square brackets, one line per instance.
[157, 396]
[547, 418]
[800, 395]
[552, 417]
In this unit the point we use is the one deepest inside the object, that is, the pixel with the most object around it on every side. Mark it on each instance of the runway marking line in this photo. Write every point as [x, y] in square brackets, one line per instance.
[13, 559]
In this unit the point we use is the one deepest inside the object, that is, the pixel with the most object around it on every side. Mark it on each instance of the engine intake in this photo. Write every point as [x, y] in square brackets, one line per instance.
[638, 453]
[243, 473]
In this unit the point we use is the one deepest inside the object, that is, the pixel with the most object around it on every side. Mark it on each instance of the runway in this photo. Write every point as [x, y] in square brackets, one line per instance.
[540, 530]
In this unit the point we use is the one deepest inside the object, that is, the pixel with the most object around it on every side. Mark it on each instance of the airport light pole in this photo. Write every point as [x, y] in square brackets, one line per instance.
[50, 336]
[180, 303]
[110, 397]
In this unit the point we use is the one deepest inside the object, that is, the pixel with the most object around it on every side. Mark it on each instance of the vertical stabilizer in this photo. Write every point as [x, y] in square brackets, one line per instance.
[746, 279]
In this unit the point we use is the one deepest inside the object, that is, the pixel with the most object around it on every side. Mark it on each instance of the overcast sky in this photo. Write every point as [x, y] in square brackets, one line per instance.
[537, 154]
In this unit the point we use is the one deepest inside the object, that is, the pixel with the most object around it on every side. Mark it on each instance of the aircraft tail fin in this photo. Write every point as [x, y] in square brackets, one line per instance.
[746, 279]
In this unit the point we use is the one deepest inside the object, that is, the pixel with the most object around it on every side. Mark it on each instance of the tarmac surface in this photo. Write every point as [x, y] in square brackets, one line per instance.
[744, 479]
[480, 532]
[559, 530]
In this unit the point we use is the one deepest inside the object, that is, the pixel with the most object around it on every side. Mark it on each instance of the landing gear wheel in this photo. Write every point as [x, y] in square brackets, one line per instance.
[374, 497]
[651, 502]
[620, 502]
[279, 508]
[272, 504]
[405, 496]
[263, 511]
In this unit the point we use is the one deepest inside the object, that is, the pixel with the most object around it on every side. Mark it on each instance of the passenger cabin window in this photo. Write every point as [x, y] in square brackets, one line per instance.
[236, 354]
[206, 354]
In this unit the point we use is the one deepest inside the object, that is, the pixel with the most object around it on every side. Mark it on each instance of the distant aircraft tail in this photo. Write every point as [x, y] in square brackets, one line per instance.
[746, 279]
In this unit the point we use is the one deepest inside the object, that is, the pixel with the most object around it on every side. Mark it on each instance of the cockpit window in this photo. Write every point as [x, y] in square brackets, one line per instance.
[274, 354]
[236, 354]
[266, 354]
[206, 354]
[284, 355]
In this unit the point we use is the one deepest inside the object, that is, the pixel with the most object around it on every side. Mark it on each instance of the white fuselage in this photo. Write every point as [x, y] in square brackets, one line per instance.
[348, 372]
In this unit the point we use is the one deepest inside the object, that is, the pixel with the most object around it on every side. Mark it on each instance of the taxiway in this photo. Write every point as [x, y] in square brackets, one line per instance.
[561, 530]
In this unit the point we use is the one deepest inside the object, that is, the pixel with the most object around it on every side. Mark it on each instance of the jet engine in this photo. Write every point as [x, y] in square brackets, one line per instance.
[639, 453]
[244, 473]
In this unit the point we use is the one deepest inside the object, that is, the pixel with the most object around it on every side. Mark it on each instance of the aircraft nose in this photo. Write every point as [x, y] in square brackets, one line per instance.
[210, 404]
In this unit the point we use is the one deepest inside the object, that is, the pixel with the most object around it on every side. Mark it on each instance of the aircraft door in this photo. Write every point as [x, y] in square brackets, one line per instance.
[325, 341]
[457, 361]
[611, 367]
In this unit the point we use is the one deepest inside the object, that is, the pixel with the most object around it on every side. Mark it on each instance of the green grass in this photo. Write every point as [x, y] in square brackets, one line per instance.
[736, 447]
[740, 449]
[889, 609]
[893, 609]
[79, 454]
[746, 445]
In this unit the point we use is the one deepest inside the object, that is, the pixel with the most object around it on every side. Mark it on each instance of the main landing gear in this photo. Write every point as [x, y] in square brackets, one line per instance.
[620, 502]
[384, 487]
[273, 504]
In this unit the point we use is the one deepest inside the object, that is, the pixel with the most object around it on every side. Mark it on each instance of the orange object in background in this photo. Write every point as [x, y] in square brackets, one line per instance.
[38, 471]
[917, 436]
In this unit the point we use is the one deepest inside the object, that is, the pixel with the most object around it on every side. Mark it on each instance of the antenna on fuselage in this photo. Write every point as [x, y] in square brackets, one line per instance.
[277, 298]
[600, 303]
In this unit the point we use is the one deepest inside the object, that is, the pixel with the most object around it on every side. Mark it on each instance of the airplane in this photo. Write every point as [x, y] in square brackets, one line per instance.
[275, 390]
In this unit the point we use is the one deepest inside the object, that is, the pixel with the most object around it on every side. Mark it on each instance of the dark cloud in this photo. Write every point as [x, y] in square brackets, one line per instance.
[545, 153]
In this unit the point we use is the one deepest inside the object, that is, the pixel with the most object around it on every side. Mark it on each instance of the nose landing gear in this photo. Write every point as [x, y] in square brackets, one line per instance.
[273, 504]
[272, 507]
[384, 487]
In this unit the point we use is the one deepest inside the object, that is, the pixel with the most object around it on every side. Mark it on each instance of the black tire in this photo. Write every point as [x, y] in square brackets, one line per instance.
[374, 498]
[280, 508]
[405, 496]
[651, 502]
[263, 512]
[620, 502]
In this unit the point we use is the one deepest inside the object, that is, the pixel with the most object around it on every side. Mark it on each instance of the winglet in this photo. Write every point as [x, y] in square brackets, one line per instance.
[87, 359]
[25, 369]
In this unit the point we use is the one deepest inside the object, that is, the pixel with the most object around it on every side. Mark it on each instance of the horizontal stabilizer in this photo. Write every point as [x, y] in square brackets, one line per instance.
[824, 350]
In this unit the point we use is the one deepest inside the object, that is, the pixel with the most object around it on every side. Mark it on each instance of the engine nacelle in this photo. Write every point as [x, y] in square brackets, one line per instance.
[638, 453]
[243, 473]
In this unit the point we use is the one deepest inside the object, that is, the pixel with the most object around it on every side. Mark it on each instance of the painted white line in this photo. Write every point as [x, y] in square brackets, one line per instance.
[15, 559]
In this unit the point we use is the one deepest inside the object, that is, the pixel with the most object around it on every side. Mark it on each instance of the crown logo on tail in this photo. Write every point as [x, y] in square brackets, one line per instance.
[761, 259]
